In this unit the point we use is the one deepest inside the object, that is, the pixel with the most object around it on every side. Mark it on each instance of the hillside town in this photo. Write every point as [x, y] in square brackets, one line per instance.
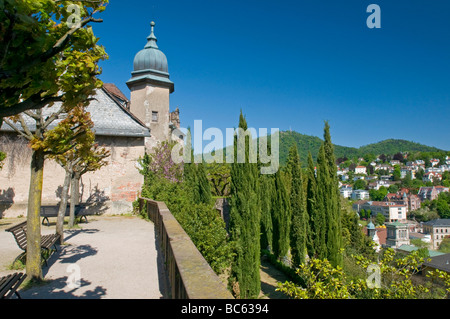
[402, 204]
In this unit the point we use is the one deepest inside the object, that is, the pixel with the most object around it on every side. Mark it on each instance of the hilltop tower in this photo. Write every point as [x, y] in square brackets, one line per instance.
[150, 88]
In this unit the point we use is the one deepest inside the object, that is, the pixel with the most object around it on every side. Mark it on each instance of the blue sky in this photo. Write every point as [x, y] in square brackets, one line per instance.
[295, 64]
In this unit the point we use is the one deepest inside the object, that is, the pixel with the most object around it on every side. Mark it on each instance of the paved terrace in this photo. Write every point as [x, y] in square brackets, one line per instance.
[117, 258]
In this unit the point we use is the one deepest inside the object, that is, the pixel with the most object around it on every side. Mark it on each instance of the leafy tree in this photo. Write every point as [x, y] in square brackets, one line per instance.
[445, 245]
[245, 218]
[83, 156]
[44, 60]
[200, 221]
[397, 173]
[219, 178]
[359, 184]
[393, 189]
[378, 195]
[380, 219]
[398, 156]
[323, 281]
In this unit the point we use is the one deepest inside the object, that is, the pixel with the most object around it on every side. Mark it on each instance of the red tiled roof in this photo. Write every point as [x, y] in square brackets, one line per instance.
[113, 89]
[382, 234]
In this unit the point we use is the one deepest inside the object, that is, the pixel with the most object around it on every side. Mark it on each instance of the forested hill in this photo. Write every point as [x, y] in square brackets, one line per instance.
[307, 143]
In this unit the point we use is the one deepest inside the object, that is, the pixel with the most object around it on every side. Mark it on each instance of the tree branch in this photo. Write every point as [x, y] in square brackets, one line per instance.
[25, 127]
[52, 117]
[60, 45]
[34, 102]
[7, 122]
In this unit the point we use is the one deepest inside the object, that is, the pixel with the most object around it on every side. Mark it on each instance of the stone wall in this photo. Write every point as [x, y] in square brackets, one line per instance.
[112, 189]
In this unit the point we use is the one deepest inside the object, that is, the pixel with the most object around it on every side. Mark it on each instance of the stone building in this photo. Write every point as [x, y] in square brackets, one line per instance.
[397, 234]
[127, 128]
[438, 229]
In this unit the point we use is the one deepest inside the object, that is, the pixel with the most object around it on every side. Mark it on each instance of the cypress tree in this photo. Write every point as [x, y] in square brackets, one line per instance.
[203, 186]
[332, 200]
[265, 200]
[311, 207]
[317, 214]
[245, 220]
[281, 214]
[298, 210]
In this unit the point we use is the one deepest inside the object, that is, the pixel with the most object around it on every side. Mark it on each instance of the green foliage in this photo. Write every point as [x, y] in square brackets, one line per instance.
[445, 245]
[312, 144]
[2, 158]
[380, 219]
[328, 191]
[323, 281]
[219, 177]
[245, 221]
[42, 55]
[265, 199]
[299, 219]
[439, 207]
[316, 228]
[200, 220]
[378, 195]
[281, 217]
[360, 184]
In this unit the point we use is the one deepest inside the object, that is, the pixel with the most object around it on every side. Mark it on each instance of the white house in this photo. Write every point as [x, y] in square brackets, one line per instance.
[434, 162]
[431, 176]
[346, 191]
[360, 169]
[392, 212]
[407, 171]
[359, 194]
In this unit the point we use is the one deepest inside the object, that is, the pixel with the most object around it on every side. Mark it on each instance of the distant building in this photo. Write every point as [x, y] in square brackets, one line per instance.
[346, 191]
[403, 197]
[359, 194]
[392, 212]
[372, 233]
[438, 229]
[128, 128]
[397, 234]
[431, 177]
[431, 192]
[434, 162]
[360, 170]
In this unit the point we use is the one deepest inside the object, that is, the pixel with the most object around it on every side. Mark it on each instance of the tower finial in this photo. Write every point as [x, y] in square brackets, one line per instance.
[152, 38]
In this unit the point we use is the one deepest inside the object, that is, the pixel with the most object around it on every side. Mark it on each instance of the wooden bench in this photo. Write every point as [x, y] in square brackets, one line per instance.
[81, 211]
[9, 285]
[19, 232]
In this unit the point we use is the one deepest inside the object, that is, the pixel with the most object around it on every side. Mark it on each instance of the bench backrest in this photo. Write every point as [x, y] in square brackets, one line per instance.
[52, 211]
[20, 234]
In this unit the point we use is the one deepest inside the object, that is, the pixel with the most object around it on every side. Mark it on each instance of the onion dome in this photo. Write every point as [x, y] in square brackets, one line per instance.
[150, 64]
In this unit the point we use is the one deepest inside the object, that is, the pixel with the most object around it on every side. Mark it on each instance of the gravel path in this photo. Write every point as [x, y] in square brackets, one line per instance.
[115, 257]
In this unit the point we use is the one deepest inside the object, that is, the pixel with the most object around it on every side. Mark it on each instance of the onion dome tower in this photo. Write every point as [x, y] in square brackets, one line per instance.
[150, 88]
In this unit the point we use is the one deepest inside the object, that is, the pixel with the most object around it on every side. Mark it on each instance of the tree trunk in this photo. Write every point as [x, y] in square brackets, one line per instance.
[33, 267]
[63, 207]
[74, 197]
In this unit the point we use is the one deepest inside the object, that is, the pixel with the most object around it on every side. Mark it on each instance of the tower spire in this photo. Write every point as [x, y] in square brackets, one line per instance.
[152, 38]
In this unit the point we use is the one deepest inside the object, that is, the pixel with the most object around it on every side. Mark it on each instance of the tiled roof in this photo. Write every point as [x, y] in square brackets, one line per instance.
[109, 117]
[441, 262]
[438, 222]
